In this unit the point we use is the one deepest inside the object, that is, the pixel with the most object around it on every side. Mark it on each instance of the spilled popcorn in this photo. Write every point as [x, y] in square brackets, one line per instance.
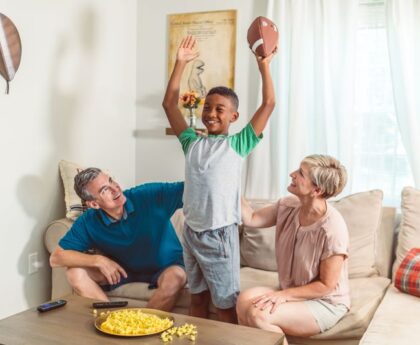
[189, 330]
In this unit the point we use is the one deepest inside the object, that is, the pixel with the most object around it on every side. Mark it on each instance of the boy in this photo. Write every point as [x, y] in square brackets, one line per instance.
[212, 185]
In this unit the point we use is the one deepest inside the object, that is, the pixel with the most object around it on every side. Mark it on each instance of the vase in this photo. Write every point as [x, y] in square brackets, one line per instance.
[192, 118]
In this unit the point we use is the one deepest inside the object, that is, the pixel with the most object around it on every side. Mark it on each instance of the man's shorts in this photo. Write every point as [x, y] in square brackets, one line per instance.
[135, 277]
[326, 314]
[211, 260]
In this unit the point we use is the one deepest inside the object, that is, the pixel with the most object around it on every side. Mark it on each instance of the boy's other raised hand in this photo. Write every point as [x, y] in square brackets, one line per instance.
[187, 50]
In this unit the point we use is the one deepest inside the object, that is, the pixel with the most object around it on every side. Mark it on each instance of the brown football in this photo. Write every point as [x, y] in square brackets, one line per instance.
[262, 36]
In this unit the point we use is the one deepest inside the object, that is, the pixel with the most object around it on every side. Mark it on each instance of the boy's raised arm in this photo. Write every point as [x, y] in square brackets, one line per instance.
[261, 116]
[186, 52]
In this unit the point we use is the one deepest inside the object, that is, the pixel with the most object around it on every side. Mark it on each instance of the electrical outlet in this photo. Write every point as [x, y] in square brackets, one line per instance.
[33, 264]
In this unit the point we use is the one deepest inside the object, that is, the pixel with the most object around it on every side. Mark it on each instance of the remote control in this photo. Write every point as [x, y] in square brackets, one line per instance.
[51, 305]
[112, 304]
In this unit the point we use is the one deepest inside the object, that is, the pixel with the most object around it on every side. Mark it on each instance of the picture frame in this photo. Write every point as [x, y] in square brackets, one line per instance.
[215, 32]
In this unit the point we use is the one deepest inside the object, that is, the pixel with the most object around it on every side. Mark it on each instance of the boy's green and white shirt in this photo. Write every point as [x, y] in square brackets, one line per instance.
[213, 164]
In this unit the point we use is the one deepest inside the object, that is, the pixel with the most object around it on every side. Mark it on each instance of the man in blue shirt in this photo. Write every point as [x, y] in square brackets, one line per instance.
[133, 233]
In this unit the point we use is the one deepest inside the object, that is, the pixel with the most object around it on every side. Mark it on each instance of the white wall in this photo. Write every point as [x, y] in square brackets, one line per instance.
[159, 157]
[72, 98]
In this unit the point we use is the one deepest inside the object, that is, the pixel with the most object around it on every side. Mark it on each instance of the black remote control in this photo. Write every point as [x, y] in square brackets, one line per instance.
[51, 305]
[112, 304]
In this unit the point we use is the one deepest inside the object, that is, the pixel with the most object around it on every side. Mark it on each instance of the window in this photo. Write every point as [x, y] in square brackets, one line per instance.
[380, 160]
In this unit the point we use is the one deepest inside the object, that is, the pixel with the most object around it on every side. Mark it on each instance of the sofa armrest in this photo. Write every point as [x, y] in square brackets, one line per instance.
[395, 321]
[55, 231]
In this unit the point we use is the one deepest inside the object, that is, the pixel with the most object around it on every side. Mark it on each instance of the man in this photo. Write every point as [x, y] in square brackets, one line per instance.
[133, 231]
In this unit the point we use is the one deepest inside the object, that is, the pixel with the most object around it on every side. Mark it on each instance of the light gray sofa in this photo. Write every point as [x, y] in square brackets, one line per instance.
[372, 242]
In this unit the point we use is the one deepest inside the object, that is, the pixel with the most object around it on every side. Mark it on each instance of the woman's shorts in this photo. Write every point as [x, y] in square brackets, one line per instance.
[211, 260]
[326, 314]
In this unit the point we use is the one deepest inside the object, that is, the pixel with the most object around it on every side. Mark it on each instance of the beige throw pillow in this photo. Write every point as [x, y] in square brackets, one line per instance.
[362, 213]
[409, 233]
[74, 207]
[257, 245]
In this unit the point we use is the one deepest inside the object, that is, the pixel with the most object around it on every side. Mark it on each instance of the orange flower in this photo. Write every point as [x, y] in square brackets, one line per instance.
[190, 100]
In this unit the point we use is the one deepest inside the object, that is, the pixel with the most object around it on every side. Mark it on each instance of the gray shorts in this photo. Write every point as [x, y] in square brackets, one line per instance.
[211, 260]
[326, 314]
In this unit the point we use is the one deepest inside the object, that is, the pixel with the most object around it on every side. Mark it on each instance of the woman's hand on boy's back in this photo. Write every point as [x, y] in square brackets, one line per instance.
[187, 50]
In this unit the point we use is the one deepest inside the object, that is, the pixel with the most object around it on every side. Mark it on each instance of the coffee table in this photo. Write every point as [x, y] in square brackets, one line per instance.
[73, 324]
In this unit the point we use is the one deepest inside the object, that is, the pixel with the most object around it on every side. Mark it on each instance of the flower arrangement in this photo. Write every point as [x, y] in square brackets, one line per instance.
[190, 100]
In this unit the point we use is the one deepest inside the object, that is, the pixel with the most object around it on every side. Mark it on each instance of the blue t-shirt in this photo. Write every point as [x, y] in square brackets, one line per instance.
[144, 240]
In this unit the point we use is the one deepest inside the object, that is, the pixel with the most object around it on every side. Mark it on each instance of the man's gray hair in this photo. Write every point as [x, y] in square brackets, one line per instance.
[82, 179]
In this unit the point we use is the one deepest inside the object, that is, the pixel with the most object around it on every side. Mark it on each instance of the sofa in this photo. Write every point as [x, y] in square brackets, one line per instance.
[380, 314]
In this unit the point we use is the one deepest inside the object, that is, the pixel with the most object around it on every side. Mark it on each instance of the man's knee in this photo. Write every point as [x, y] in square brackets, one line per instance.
[172, 280]
[76, 276]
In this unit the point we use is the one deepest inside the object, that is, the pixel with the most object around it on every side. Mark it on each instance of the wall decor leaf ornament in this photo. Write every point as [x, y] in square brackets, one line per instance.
[10, 49]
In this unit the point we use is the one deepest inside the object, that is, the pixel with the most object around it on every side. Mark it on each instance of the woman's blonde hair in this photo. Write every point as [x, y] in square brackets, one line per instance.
[327, 173]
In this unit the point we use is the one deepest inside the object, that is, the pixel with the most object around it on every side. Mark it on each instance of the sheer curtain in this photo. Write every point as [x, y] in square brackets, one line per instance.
[313, 73]
[403, 24]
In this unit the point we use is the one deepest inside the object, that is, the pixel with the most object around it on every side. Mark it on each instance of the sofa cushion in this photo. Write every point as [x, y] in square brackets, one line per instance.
[365, 294]
[362, 214]
[55, 231]
[396, 321]
[140, 291]
[257, 245]
[68, 171]
[249, 278]
[177, 220]
[409, 233]
[385, 241]
[252, 277]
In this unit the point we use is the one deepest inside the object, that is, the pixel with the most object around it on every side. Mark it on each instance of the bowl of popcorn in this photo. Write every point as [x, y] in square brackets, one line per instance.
[133, 322]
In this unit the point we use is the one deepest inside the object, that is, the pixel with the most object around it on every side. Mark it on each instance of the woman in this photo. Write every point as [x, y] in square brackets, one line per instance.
[311, 252]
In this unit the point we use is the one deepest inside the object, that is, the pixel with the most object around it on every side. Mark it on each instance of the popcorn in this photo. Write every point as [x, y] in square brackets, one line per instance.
[134, 322]
[189, 330]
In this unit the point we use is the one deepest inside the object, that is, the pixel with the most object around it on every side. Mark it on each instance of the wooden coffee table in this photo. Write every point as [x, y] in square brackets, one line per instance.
[73, 324]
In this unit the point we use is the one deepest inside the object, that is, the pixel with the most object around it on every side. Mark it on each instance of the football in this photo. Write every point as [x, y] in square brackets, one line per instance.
[262, 36]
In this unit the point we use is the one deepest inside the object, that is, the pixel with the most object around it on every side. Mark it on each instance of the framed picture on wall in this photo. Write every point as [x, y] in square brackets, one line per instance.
[216, 35]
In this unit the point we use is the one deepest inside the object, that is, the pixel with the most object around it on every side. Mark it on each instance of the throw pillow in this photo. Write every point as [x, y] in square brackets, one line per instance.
[409, 232]
[257, 245]
[74, 205]
[362, 213]
[407, 278]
